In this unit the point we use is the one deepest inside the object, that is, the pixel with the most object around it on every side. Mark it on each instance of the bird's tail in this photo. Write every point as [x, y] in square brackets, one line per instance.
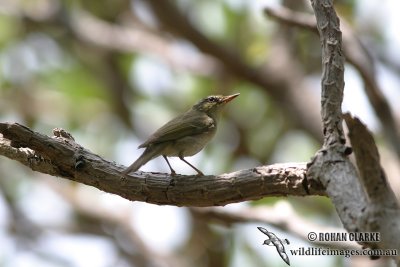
[148, 154]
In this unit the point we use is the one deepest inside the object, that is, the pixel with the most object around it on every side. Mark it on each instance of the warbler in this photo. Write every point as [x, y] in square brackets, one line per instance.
[185, 135]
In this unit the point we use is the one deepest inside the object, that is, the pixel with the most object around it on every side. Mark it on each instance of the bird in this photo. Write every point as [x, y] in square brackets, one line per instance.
[273, 240]
[185, 135]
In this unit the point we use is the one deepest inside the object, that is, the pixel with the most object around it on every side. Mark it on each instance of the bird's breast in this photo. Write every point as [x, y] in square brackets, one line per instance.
[189, 145]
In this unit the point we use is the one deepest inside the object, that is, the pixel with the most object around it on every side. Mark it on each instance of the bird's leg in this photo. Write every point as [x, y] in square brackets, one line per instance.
[169, 165]
[197, 170]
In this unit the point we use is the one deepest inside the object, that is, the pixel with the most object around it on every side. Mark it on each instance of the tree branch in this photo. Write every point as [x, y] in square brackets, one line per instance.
[383, 212]
[292, 18]
[330, 165]
[280, 216]
[140, 254]
[136, 39]
[358, 56]
[61, 156]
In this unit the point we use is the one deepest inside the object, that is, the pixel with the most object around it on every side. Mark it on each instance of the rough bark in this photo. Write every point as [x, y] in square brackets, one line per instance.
[62, 156]
[358, 206]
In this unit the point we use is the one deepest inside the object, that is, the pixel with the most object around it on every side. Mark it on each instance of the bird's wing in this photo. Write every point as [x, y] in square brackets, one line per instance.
[263, 230]
[187, 124]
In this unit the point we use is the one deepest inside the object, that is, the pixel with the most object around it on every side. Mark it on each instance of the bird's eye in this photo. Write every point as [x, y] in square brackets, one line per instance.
[212, 99]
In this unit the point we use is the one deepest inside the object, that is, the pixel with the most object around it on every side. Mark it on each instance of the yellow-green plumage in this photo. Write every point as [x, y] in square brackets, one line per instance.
[184, 135]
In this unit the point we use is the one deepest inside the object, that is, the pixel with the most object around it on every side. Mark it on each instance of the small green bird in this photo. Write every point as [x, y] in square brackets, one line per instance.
[185, 135]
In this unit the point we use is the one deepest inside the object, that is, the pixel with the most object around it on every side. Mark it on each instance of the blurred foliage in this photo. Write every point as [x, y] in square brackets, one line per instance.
[112, 98]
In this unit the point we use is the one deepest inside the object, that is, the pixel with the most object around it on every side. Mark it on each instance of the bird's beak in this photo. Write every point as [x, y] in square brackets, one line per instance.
[228, 98]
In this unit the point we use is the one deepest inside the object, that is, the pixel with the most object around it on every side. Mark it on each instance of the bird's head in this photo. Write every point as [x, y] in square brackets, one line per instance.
[212, 104]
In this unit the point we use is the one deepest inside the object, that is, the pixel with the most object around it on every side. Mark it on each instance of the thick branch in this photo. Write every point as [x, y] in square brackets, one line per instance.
[356, 211]
[332, 72]
[330, 165]
[383, 212]
[372, 175]
[61, 156]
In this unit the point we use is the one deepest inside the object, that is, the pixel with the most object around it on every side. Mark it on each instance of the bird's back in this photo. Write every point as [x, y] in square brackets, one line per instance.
[191, 123]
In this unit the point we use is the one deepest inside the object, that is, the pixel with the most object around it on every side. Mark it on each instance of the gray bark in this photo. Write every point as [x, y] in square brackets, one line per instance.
[359, 201]
[62, 156]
